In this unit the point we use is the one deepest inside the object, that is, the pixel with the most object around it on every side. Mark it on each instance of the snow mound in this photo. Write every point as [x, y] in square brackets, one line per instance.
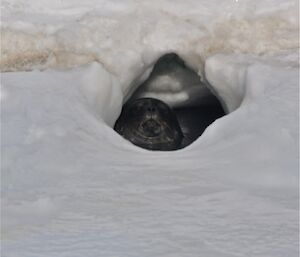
[58, 35]
[74, 187]
[71, 186]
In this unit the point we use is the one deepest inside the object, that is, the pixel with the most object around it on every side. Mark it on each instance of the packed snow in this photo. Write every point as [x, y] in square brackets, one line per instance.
[71, 186]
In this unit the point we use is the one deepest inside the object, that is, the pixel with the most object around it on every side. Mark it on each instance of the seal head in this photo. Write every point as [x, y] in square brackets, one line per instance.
[151, 124]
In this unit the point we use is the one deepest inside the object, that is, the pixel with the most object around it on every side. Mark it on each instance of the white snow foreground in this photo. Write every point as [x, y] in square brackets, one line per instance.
[73, 187]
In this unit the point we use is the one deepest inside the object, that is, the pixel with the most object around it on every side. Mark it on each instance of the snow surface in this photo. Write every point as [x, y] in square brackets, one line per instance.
[71, 186]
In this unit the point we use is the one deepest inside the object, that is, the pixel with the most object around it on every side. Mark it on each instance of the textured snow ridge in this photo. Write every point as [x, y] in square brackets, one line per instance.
[72, 187]
[39, 34]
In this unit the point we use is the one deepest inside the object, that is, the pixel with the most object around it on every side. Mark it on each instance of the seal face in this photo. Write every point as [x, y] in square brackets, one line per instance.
[151, 124]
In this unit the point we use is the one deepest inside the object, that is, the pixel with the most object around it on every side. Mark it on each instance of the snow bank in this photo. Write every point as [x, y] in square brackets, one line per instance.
[71, 186]
[128, 37]
[260, 92]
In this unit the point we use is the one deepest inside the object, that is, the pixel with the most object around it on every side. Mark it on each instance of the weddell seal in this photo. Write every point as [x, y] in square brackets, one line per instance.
[151, 124]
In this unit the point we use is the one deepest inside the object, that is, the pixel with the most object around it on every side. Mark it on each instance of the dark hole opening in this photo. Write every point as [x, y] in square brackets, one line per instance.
[194, 120]
[169, 110]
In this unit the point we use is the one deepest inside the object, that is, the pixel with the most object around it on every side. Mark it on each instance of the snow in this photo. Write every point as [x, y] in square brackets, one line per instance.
[71, 186]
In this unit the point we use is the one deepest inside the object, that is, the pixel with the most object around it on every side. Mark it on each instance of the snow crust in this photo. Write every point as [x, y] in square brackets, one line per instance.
[128, 36]
[71, 186]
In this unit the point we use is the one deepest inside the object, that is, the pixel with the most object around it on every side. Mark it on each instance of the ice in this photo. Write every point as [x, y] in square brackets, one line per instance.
[172, 82]
[71, 186]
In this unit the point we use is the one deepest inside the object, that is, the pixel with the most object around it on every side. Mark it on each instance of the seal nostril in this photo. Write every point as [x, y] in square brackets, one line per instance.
[151, 109]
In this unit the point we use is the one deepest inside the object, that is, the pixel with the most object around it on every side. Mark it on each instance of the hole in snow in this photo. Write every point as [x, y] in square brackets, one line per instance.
[170, 109]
